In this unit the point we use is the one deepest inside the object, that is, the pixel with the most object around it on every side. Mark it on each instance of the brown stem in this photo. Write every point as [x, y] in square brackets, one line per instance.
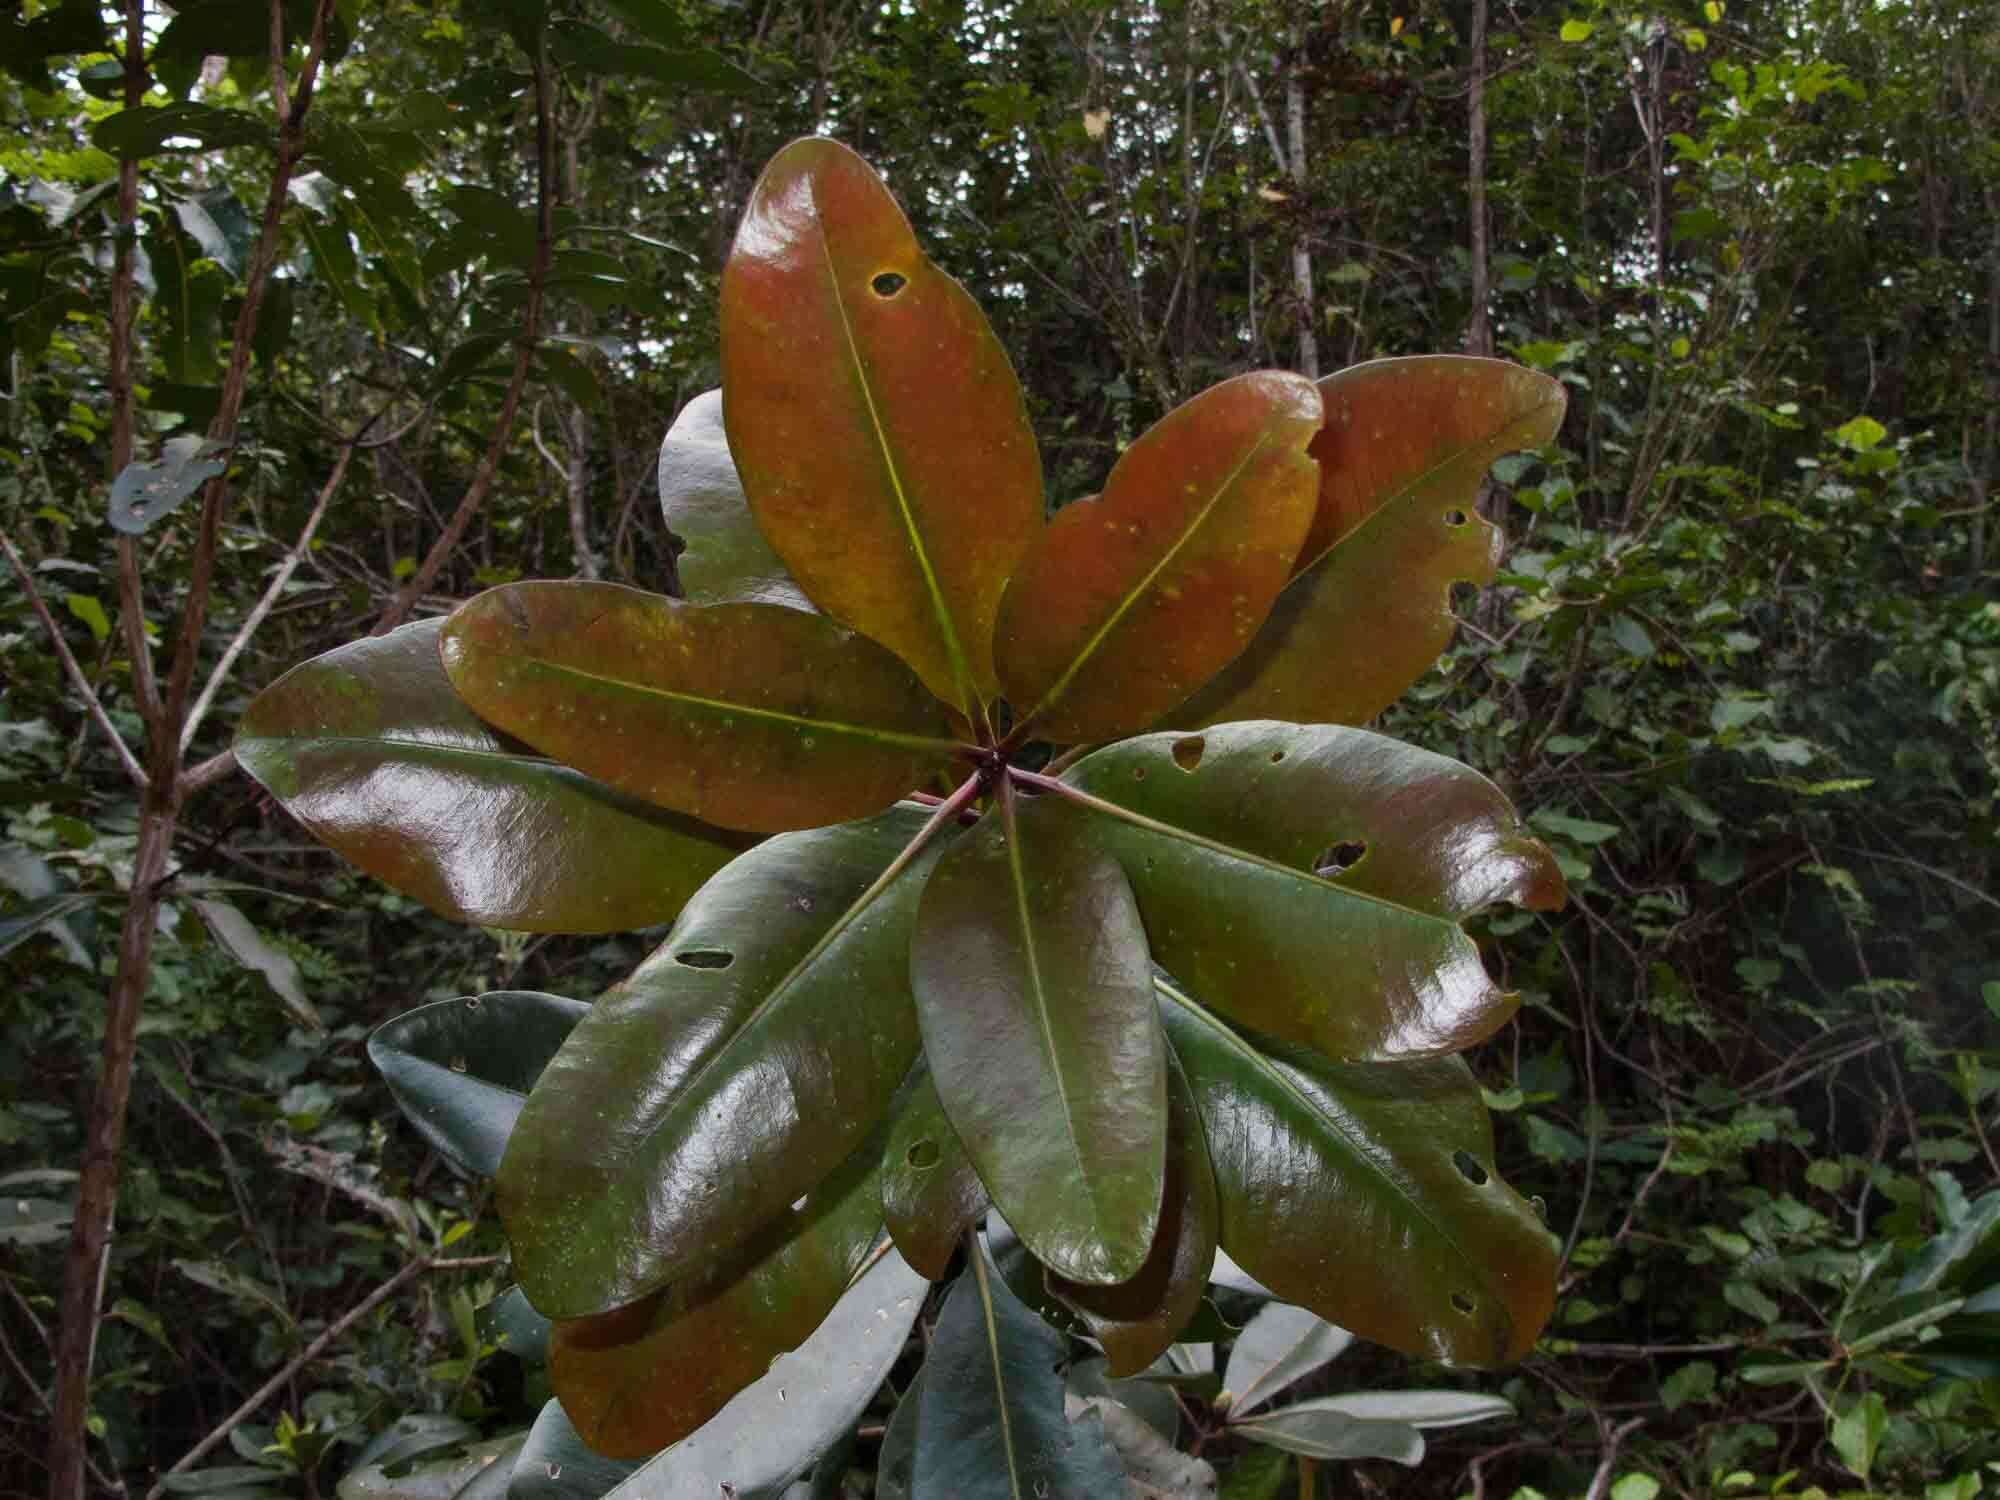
[71, 668]
[503, 425]
[1479, 336]
[313, 1351]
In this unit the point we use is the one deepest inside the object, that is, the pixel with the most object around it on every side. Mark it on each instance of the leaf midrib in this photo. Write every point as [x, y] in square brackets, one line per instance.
[1125, 606]
[992, 1323]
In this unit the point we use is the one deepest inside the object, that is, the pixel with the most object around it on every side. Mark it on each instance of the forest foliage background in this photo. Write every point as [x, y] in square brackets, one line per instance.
[1741, 666]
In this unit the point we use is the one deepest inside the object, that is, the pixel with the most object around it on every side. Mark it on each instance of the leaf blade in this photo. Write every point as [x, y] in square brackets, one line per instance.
[1112, 617]
[370, 749]
[747, 715]
[726, 559]
[858, 477]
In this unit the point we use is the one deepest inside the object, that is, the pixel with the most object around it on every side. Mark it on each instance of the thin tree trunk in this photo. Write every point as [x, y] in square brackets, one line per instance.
[1479, 335]
[1306, 313]
[1982, 475]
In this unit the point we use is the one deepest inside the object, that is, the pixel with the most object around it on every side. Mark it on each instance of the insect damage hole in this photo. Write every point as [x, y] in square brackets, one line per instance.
[704, 958]
[923, 1155]
[1462, 1302]
[1338, 859]
[1469, 1168]
[1187, 752]
[887, 283]
[1455, 518]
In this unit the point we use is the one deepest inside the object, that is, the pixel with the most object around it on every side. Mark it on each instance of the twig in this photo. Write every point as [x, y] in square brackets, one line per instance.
[1614, 1439]
[71, 668]
[263, 606]
[313, 1350]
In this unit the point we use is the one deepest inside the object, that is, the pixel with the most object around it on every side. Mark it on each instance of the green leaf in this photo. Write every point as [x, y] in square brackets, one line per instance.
[17, 926]
[371, 750]
[150, 129]
[1577, 31]
[1328, 1172]
[930, 1193]
[879, 430]
[274, 318]
[219, 1276]
[511, 1322]
[574, 377]
[1131, 600]
[747, 715]
[1694, 1381]
[34, 1221]
[1278, 1348]
[1429, 1411]
[1139, 1318]
[60, 30]
[590, 50]
[1858, 1431]
[1323, 1429]
[726, 559]
[461, 1069]
[644, 1376]
[1859, 436]
[508, 231]
[1221, 835]
[478, 1471]
[241, 940]
[411, 1435]
[1632, 637]
[897, 1464]
[87, 608]
[813, 1396]
[1960, 1257]
[557, 1464]
[1404, 447]
[738, 1065]
[1585, 831]
[992, 1425]
[1034, 990]
[144, 492]
[188, 298]
[216, 221]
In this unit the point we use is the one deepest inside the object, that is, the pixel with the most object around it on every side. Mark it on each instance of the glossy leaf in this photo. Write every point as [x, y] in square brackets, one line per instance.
[1151, 1399]
[738, 1065]
[460, 1070]
[726, 559]
[413, 1434]
[1319, 1429]
[1278, 1348]
[896, 1467]
[1365, 960]
[781, 1424]
[370, 749]
[1130, 601]
[1404, 447]
[477, 1471]
[992, 1424]
[1431, 1411]
[746, 715]
[1035, 994]
[644, 1376]
[1138, 1319]
[238, 936]
[930, 1193]
[512, 1323]
[1366, 1192]
[557, 1464]
[879, 430]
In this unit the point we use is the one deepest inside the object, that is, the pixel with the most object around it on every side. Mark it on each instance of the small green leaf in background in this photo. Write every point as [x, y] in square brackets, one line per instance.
[1860, 435]
[1990, 991]
[87, 609]
[1632, 637]
[1577, 31]
[1634, 1487]
[1857, 1433]
[1691, 1382]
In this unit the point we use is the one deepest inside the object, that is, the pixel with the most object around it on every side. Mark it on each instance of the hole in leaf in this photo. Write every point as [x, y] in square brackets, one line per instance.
[1338, 859]
[1462, 1302]
[1187, 752]
[472, 1002]
[888, 283]
[458, 1065]
[1469, 1168]
[1464, 596]
[923, 1155]
[799, 1203]
[1138, 773]
[705, 958]
[1455, 518]
[1276, 756]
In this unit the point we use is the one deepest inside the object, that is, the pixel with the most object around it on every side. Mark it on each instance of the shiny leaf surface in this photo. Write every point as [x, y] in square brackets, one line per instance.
[635, 1380]
[812, 1396]
[727, 560]
[1315, 1429]
[1366, 1192]
[1404, 447]
[476, 1471]
[1279, 1347]
[748, 715]
[877, 425]
[370, 749]
[556, 1464]
[1363, 961]
[1130, 601]
[737, 1066]
[460, 1070]
[930, 1193]
[991, 1425]
[1136, 1320]
[1035, 995]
